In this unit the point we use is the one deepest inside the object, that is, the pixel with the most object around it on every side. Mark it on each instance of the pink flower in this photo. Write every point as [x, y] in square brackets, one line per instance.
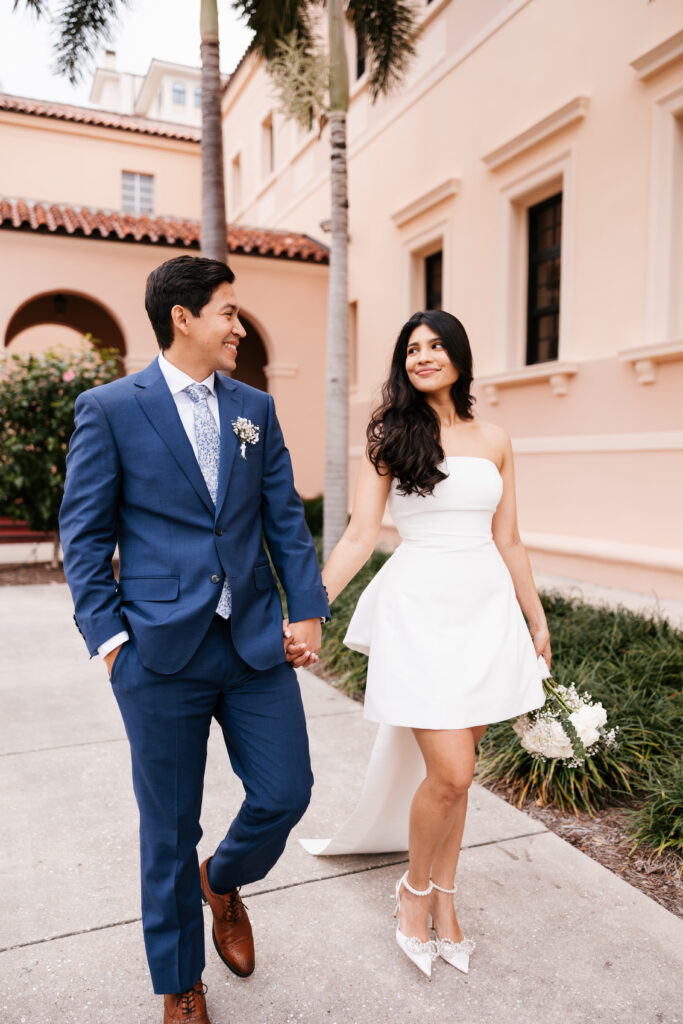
[68, 376]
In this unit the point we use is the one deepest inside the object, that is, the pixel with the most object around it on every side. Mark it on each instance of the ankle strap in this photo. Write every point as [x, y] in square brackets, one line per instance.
[441, 889]
[416, 892]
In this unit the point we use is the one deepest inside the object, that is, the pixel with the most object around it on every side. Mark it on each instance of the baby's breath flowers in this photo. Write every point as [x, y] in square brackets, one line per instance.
[569, 727]
[247, 432]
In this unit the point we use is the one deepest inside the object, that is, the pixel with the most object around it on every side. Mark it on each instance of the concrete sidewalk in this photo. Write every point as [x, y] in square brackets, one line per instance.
[559, 938]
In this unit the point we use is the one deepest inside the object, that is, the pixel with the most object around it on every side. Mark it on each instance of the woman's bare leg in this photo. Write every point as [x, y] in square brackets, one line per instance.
[444, 865]
[438, 808]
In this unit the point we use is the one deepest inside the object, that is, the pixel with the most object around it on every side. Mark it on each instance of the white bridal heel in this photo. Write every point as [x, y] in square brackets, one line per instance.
[457, 954]
[421, 953]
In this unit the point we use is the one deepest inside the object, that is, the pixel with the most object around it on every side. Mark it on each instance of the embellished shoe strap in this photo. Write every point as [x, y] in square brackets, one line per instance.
[416, 892]
[441, 889]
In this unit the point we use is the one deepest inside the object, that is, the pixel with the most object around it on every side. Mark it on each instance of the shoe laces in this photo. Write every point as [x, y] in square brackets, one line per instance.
[233, 906]
[187, 1002]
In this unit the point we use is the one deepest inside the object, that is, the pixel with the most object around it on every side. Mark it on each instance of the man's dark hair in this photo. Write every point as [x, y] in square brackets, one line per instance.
[188, 281]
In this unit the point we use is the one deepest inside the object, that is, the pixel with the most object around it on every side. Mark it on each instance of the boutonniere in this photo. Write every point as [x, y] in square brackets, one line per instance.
[247, 432]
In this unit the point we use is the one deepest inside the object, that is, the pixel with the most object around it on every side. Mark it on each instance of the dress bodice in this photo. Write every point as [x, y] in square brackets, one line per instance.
[459, 511]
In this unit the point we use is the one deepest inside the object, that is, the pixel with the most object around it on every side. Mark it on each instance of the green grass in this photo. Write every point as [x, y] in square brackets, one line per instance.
[632, 663]
[658, 820]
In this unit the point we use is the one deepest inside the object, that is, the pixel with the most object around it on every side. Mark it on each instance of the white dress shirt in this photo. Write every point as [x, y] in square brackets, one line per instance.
[177, 380]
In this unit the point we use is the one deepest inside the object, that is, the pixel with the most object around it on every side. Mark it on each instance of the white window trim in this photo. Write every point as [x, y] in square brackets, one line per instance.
[647, 358]
[568, 114]
[556, 175]
[137, 176]
[446, 190]
[660, 306]
[415, 249]
[659, 56]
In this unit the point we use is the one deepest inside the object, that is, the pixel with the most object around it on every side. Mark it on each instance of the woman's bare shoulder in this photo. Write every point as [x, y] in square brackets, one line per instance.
[494, 434]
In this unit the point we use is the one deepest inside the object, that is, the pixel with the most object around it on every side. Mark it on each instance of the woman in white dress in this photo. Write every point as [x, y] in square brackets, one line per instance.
[449, 650]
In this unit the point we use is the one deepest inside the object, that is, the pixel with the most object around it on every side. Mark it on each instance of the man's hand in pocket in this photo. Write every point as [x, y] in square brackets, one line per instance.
[110, 658]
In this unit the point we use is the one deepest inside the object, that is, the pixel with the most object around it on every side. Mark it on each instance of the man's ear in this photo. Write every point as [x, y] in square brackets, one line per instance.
[179, 319]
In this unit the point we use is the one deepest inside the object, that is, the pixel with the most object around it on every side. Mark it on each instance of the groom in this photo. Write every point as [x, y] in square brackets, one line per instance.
[187, 471]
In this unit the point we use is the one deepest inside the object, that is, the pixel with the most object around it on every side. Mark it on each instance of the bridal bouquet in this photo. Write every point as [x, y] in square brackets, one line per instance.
[569, 727]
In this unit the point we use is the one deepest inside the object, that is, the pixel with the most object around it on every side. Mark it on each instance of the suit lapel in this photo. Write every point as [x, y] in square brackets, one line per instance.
[230, 401]
[159, 407]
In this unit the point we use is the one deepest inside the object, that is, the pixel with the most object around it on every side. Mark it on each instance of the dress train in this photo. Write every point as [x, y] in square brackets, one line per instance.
[379, 823]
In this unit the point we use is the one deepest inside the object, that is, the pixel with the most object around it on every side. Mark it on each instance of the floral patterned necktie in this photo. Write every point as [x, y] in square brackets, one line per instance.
[208, 456]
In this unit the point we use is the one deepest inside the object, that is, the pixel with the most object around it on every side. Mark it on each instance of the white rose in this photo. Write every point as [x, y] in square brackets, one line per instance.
[521, 725]
[548, 738]
[587, 721]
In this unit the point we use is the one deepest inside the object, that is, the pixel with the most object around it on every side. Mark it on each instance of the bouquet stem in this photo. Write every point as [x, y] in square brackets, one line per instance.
[550, 689]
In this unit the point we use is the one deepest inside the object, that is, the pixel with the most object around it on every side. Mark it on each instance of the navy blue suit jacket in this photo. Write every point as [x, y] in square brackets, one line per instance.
[133, 479]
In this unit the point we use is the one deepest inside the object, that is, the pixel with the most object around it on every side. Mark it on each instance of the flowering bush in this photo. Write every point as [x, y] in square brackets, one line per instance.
[37, 398]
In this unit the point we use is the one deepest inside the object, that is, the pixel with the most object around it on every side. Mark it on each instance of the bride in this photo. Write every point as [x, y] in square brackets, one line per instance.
[449, 650]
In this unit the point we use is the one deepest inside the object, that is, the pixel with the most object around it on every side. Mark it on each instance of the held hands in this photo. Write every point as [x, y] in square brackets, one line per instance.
[302, 641]
[541, 638]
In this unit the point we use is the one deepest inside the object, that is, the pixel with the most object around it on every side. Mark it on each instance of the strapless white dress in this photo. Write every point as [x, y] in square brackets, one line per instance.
[447, 643]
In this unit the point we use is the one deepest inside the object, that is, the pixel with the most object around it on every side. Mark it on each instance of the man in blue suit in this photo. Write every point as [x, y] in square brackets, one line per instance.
[187, 471]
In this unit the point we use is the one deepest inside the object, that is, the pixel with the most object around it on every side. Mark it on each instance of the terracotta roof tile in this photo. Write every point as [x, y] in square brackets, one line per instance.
[101, 118]
[83, 221]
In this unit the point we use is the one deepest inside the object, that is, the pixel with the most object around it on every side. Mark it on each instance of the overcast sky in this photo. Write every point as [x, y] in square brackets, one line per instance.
[167, 29]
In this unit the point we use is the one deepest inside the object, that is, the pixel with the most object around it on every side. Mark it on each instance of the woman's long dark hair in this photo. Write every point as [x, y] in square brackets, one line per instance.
[404, 432]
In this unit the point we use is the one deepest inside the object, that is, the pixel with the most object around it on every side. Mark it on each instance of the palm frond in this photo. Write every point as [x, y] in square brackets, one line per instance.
[274, 20]
[81, 28]
[388, 29]
[38, 7]
[300, 74]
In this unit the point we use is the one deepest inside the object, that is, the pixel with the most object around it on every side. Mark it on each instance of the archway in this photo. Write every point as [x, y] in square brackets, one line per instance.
[252, 357]
[69, 312]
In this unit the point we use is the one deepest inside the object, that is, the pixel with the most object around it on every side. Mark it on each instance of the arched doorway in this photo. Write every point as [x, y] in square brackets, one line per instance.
[71, 316]
[252, 357]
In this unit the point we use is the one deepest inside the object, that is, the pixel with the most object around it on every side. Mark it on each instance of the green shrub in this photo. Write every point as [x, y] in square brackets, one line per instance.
[313, 510]
[37, 398]
[348, 666]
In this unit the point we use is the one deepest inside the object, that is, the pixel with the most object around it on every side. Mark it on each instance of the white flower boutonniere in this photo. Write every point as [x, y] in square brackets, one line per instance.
[247, 432]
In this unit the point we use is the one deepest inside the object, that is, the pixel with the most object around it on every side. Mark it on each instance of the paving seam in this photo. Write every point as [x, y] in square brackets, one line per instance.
[122, 739]
[387, 864]
[69, 935]
[263, 892]
[62, 746]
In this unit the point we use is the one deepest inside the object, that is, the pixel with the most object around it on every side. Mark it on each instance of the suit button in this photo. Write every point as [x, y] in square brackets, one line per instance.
[215, 578]
[218, 531]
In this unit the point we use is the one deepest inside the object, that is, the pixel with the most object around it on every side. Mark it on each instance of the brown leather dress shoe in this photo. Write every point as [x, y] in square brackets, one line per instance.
[188, 1007]
[232, 935]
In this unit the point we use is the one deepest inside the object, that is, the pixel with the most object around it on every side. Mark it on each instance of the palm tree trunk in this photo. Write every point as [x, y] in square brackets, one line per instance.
[335, 507]
[214, 225]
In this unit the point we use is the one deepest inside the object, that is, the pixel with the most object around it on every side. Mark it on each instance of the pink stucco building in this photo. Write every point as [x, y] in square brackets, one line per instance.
[78, 242]
[528, 177]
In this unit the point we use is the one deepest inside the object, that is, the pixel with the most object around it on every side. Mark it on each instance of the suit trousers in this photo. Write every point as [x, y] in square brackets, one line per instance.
[167, 720]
